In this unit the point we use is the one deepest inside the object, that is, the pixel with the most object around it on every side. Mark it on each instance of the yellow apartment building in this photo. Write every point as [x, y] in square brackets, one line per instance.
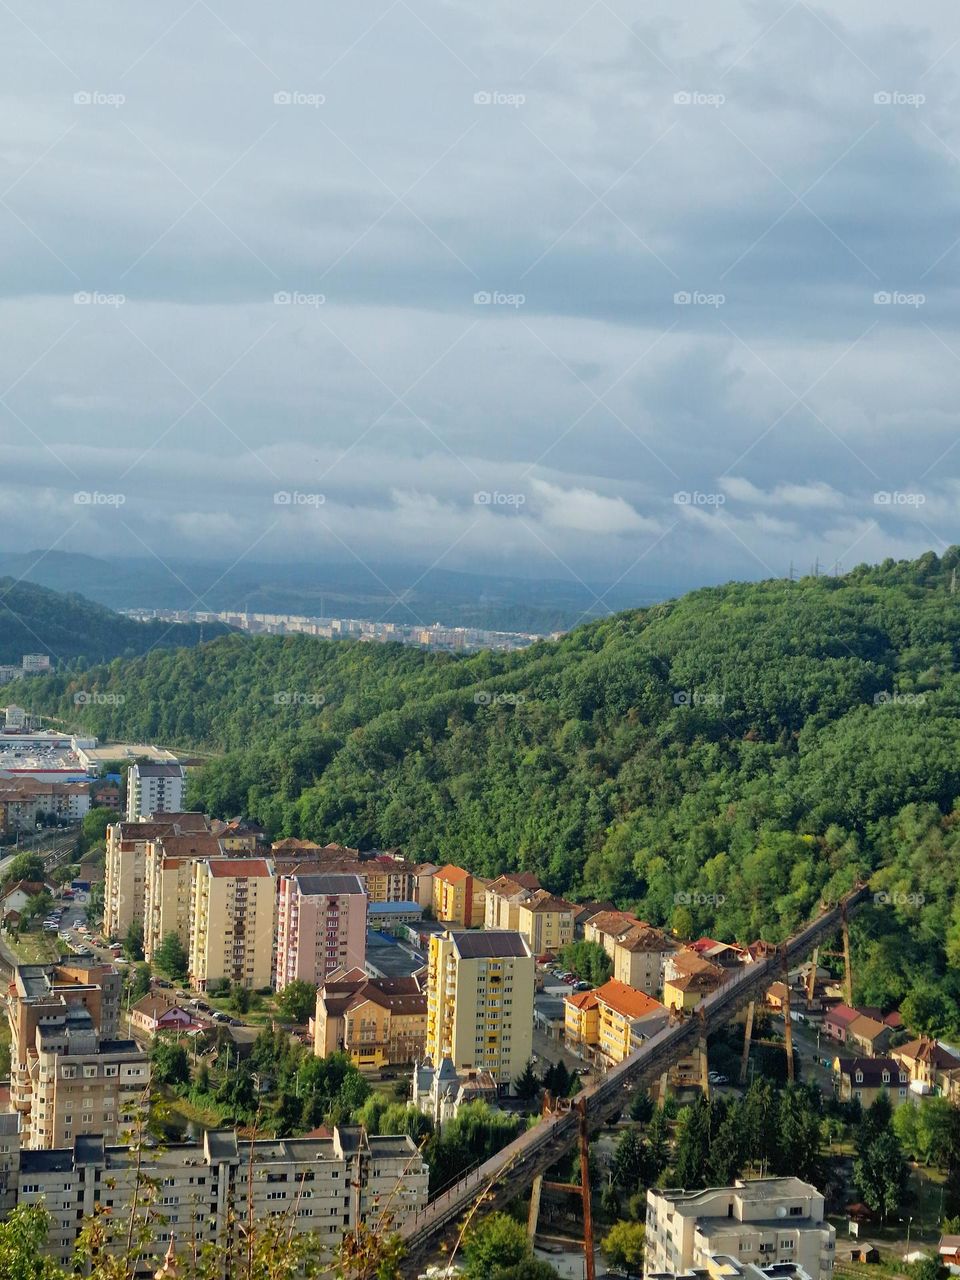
[378, 1021]
[612, 1021]
[168, 885]
[480, 1002]
[233, 922]
[457, 895]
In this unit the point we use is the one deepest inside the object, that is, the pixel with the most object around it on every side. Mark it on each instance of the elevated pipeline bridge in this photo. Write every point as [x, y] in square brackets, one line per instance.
[513, 1169]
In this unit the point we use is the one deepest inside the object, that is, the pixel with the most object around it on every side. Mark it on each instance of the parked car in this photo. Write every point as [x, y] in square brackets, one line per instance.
[221, 1017]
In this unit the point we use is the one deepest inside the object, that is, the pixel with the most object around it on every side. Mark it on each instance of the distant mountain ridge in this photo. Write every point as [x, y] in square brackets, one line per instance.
[381, 592]
[71, 629]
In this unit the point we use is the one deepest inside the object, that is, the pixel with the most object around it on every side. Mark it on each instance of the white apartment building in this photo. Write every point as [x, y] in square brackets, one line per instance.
[326, 1186]
[155, 788]
[766, 1221]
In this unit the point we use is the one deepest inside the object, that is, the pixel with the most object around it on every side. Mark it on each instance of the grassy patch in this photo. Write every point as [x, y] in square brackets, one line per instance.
[36, 948]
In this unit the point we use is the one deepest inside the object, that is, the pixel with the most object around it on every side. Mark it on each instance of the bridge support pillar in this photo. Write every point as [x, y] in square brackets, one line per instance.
[788, 1023]
[704, 1067]
[533, 1217]
[747, 1036]
[812, 977]
[847, 969]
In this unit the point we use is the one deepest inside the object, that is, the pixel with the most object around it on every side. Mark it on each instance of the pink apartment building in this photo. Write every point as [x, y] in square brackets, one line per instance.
[321, 927]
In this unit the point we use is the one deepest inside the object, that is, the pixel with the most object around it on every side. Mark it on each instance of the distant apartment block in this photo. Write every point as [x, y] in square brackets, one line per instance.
[766, 1221]
[546, 922]
[327, 1186]
[321, 927]
[35, 663]
[503, 898]
[480, 990]
[24, 801]
[69, 1073]
[423, 881]
[386, 877]
[105, 795]
[458, 897]
[154, 788]
[605, 927]
[640, 956]
[232, 922]
[378, 1021]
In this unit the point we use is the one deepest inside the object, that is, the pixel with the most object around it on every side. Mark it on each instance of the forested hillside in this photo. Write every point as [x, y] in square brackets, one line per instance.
[71, 629]
[718, 762]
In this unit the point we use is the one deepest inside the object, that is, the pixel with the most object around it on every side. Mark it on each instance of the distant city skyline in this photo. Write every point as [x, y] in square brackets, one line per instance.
[587, 291]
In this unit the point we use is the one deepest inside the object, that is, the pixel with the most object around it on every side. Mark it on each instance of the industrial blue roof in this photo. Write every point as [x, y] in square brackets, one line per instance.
[393, 908]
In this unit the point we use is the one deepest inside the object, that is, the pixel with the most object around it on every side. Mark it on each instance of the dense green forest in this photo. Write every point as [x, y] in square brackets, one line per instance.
[72, 629]
[717, 762]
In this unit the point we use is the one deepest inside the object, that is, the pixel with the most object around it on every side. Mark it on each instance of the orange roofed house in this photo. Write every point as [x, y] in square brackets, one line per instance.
[612, 1021]
[458, 897]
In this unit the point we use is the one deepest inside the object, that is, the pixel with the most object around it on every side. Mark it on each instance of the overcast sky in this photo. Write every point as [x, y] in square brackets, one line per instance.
[246, 250]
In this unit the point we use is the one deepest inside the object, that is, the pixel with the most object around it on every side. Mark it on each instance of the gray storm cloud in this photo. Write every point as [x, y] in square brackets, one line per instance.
[672, 285]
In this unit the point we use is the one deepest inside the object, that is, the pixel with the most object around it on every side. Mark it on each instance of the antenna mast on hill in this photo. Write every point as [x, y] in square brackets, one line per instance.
[953, 582]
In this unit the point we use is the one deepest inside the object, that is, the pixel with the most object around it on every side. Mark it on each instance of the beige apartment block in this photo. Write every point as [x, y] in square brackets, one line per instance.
[639, 957]
[480, 1002]
[546, 922]
[124, 898]
[765, 1221]
[327, 1186]
[168, 885]
[504, 896]
[233, 917]
[69, 1074]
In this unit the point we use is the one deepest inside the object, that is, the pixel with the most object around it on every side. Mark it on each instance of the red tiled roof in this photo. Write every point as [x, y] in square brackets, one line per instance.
[452, 874]
[627, 1000]
[582, 1000]
[841, 1014]
[242, 868]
